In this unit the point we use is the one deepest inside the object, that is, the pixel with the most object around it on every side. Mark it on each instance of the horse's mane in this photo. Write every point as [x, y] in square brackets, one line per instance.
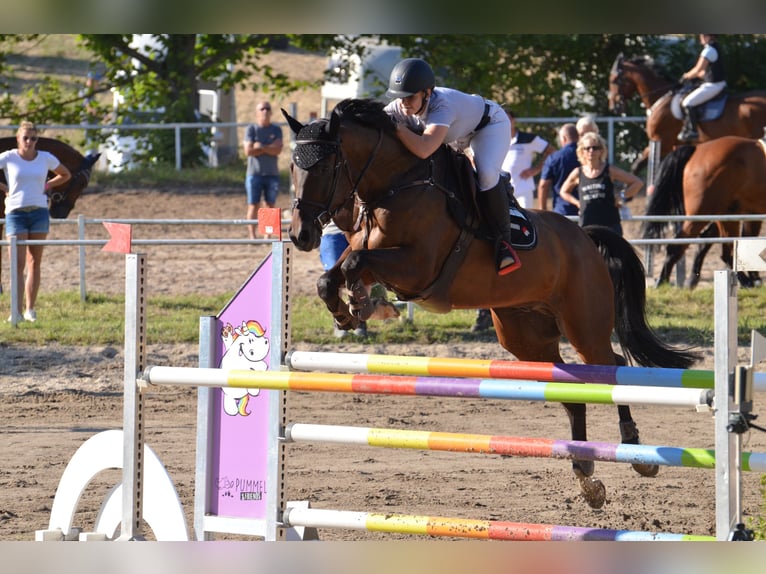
[649, 62]
[365, 111]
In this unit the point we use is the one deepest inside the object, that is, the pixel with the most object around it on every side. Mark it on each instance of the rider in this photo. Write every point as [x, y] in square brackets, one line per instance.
[429, 115]
[709, 68]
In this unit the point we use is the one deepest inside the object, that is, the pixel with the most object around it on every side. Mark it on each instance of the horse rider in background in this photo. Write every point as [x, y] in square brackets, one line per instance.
[709, 68]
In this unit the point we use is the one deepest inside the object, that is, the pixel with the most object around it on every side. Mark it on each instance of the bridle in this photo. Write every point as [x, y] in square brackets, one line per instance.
[618, 79]
[58, 195]
[318, 149]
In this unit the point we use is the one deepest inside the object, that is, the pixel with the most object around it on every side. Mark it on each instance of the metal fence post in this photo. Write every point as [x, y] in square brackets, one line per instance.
[177, 130]
[14, 263]
[81, 237]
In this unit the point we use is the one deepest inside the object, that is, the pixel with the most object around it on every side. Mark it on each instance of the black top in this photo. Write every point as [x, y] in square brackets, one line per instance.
[715, 71]
[597, 202]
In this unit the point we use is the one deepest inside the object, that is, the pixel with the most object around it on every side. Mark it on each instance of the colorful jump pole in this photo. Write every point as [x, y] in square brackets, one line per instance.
[515, 446]
[430, 386]
[468, 528]
[505, 369]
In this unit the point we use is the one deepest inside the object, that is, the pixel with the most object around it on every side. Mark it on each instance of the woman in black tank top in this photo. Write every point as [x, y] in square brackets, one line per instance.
[594, 180]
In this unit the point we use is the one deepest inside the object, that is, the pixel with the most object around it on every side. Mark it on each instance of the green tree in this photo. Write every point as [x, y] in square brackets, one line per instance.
[158, 76]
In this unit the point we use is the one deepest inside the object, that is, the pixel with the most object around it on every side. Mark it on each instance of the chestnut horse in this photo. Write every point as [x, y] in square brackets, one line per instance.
[744, 114]
[400, 214]
[723, 176]
[62, 198]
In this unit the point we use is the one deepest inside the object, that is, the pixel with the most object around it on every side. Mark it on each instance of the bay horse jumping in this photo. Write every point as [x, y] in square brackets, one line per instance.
[401, 216]
[743, 115]
[62, 198]
[723, 176]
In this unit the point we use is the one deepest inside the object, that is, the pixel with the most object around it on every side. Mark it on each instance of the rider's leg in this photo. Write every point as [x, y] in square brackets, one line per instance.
[493, 203]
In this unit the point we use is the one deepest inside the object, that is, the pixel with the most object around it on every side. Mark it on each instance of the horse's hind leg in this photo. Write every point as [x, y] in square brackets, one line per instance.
[629, 431]
[534, 336]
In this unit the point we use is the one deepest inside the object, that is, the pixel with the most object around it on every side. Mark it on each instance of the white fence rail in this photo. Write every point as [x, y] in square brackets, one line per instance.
[612, 123]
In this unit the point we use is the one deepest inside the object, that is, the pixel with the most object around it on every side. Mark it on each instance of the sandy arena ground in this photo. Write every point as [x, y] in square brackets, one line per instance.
[55, 397]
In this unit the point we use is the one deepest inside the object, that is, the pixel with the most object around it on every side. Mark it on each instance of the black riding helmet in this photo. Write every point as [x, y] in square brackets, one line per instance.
[410, 76]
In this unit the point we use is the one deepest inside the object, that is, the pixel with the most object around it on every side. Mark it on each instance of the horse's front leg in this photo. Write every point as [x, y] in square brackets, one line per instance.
[390, 267]
[329, 286]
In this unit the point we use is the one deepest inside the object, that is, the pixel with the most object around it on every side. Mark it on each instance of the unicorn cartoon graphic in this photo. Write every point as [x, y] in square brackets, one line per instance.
[245, 348]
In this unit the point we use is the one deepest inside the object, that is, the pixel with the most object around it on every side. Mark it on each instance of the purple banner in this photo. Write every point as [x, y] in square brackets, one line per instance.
[239, 472]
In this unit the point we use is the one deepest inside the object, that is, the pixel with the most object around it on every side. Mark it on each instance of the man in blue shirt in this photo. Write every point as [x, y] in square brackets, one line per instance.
[556, 168]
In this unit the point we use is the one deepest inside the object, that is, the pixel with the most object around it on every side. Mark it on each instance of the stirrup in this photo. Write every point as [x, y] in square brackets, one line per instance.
[504, 251]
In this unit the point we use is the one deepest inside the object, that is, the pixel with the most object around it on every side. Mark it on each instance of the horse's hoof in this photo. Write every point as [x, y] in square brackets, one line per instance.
[594, 492]
[648, 470]
[583, 468]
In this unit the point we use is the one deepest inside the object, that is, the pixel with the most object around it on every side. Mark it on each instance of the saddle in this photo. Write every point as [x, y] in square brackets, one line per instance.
[706, 111]
[523, 232]
[460, 192]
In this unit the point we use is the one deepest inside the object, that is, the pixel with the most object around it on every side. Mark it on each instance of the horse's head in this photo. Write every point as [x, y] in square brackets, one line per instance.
[63, 198]
[331, 166]
[315, 167]
[616, 86]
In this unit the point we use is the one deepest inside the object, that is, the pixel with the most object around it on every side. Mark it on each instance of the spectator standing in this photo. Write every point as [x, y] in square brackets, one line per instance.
[594, 179]
[26, 208]
[555, 171]
[585, 125]
[520, 161]
[262, 146]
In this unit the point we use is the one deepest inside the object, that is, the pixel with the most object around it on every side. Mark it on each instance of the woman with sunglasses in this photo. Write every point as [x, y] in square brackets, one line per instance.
[594, 180]
[26, 208]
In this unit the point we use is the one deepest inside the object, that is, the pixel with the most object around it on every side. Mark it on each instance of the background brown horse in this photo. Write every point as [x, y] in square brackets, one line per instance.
[744, 115]
[396, 209]
[62, 198]
[723, 176]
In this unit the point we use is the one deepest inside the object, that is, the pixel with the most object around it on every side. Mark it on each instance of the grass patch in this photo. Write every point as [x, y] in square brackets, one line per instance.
[166, 176]
[679, 317]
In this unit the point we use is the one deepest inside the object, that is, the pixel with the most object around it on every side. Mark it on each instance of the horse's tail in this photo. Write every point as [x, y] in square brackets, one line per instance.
[668, 196]
[639, 343]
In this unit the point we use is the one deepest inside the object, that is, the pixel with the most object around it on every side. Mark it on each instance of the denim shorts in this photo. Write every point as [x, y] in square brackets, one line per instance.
[266, 185]
[19, 222]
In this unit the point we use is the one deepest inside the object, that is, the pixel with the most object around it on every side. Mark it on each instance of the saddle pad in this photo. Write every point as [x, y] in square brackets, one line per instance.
[523, 233]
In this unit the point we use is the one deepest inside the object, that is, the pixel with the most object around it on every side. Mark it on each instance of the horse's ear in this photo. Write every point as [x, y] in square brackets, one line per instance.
[294, 124]
[617, 62]
[334, 124]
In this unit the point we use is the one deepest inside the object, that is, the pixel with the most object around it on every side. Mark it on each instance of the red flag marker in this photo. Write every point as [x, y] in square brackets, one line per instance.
[120, 237]
[270, 221]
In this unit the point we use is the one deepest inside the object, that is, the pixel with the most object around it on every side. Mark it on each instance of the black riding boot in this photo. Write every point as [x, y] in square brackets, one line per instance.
[689, 130]
[494, 209]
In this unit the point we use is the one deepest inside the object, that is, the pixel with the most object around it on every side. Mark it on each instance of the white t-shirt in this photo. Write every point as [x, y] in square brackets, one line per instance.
[26, 178]
[459, 111]
[521, 156]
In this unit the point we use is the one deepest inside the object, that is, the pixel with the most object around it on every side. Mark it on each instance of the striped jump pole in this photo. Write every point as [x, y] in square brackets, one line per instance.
[468, 528]
[699, 399]
[515, 446]
[505, 369]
